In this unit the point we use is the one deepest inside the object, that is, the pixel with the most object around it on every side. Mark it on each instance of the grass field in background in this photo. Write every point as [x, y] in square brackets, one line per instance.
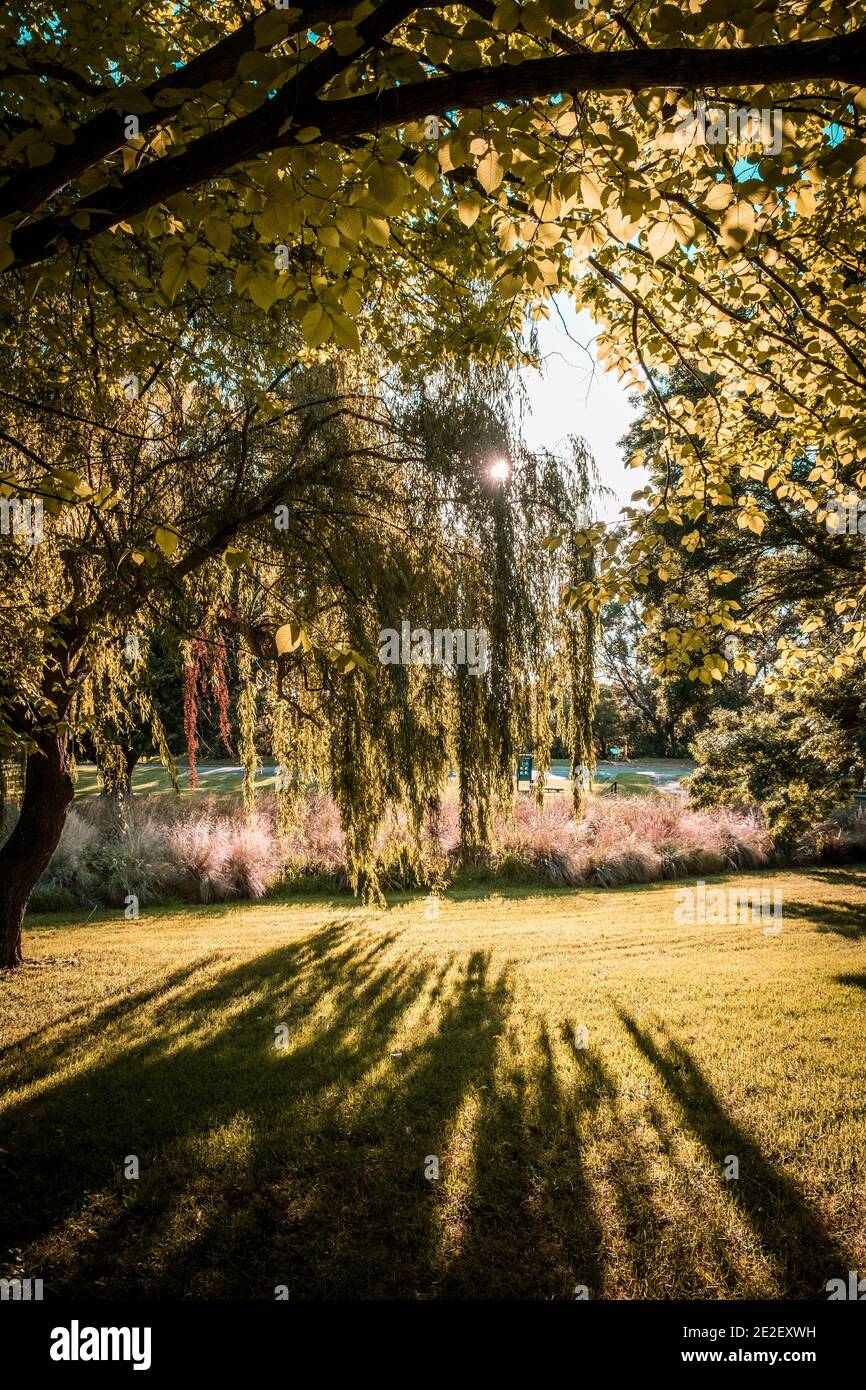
[634, 778]
[408, 1039]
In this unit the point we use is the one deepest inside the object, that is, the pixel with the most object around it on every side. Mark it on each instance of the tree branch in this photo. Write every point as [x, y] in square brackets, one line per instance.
[841, 59]
[103, 134]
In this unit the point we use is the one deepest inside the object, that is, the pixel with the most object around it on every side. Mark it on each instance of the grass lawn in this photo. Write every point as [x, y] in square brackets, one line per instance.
[408, 1038]
[151, 776]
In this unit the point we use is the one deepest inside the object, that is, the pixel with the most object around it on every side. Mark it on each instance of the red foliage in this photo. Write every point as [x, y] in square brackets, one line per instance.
[205, 675]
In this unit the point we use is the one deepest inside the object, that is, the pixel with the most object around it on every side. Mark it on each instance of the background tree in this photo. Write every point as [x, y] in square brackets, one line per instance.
[794, 764]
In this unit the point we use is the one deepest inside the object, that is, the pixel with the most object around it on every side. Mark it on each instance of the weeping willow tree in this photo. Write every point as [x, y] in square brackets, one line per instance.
[427, 536]
[282, 543]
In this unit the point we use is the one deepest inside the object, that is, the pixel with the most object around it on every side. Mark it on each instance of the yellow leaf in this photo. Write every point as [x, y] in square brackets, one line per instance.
[490, 171]
[289, 637]
[378, 230]
[720, 196]
[425, 170]
[350, 225]
[737, 226]
[467, 210]
[167, 540]
[662, 238]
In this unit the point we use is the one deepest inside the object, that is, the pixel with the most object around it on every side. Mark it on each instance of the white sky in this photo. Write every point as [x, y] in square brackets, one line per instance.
[572, 395]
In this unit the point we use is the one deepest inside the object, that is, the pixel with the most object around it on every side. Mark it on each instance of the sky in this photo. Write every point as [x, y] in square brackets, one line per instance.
[572, 395]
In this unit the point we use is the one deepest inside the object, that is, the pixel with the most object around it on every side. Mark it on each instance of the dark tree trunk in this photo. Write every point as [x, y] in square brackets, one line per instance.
[130, 758]
[48, 792]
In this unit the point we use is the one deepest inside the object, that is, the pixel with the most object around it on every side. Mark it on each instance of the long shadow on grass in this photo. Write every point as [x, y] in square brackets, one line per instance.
[858, 981]
[525, 1226]
[856, 877]
[805, 1255]
[846, 919]
[169, 1072]
[36, 1053]
[258, 1166]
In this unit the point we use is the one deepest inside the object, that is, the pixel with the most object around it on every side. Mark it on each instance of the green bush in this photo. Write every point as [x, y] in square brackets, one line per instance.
[794, 766]
[52, 897]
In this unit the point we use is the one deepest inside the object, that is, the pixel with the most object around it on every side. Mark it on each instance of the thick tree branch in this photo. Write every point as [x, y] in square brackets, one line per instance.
[841, 59]
[103, 134]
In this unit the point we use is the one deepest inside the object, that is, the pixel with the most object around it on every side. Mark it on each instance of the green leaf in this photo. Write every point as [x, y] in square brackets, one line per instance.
[262, 289]
[345, 39]
[234, 558]
[218, 233]
[345, 333]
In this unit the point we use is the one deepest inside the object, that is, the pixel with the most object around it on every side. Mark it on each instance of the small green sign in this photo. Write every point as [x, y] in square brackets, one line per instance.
[524, 767]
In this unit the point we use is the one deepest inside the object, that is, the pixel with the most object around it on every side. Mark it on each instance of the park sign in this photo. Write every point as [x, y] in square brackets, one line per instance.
[524, 768]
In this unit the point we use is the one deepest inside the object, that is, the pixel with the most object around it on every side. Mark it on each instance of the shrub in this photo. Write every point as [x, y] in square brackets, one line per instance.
[51, 897]
[203, 849]
[839, 839]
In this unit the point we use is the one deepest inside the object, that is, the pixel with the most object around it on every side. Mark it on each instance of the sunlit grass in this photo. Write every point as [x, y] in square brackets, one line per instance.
[149, 776]
[409, 1039]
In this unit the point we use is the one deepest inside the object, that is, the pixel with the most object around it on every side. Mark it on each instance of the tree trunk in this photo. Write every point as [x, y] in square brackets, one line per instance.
[48, 792]
[130, 758]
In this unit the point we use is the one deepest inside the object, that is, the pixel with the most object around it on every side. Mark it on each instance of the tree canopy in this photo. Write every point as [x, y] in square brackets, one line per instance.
[324, 154]
[297, 539]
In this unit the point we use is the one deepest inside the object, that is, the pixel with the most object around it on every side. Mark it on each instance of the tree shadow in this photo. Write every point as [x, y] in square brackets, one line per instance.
[525, 1225]
[258, 1166]
[854, 877]
[842, 918]
[805, 1255]
[285, 1110]
[858, 981]
[36, 1054]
